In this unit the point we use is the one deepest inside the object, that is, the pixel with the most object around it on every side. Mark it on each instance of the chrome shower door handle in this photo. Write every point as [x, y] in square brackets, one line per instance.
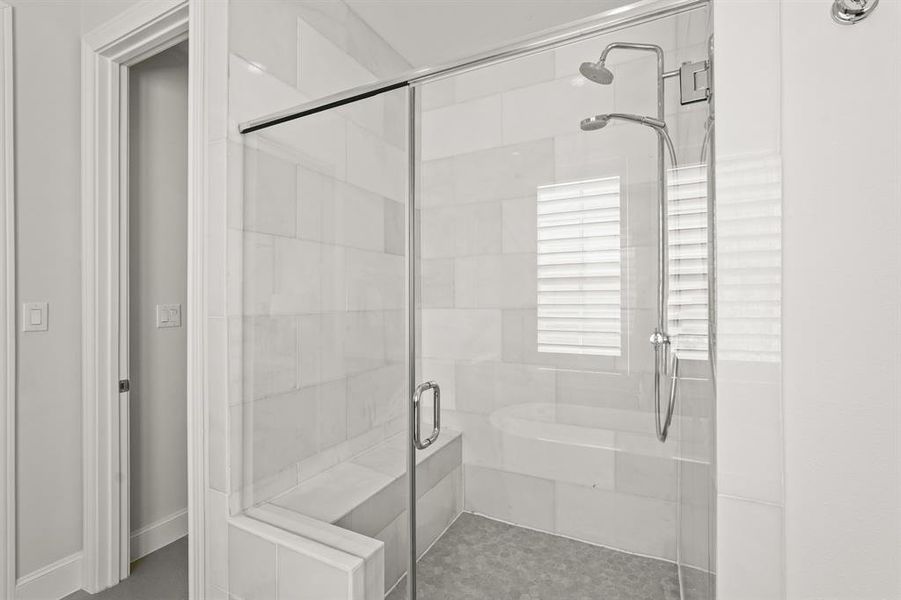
[417, 415]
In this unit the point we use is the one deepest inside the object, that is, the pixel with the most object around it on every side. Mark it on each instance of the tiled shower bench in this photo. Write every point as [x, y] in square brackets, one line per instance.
[367, 495]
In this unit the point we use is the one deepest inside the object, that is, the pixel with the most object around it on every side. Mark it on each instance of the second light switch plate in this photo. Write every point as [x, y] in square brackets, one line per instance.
[168, 315]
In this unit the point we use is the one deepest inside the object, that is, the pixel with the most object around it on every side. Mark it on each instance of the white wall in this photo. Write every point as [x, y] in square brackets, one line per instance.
[842, 267]
[158, 180]
[808, 444]
[48, 137]
[749, 522]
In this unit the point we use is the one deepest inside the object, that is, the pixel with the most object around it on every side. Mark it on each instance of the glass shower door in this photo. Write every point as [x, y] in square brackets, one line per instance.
[537, 291]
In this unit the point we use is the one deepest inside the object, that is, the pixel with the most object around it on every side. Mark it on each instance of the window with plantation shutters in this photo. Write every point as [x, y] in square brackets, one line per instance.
[580, 268]
[687, 228]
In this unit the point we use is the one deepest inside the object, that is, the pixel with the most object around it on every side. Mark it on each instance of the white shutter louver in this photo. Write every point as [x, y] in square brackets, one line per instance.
[687, 229]
[580, 268]
[749, 258]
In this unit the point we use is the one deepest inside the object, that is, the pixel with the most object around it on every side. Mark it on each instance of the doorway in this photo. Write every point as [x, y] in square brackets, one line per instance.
[154, 340]
[137, 40]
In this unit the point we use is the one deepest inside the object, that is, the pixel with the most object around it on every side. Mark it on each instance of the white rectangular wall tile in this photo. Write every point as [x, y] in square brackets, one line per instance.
[437, 509]
[375, 165]
[484, 387]
[650, 476]
[296, 286]
[284, 430]
[302, 577]
[375, 281]
[464, 230]
[442, 134]
[561, 104]
[254, 91]
[466, 335]
[322, 67]
[251, 566]
[519, 223]
[270, 355]
[510, 497]
[585, 513]
[750, 416]
[645, 525]
[437, 283]
[270, 194]
[750, 560]
[501, 281]
[267, 35]
[521, 72]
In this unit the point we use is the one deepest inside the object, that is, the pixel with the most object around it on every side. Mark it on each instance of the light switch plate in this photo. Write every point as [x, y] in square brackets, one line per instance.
[34, 316]
[168, 315]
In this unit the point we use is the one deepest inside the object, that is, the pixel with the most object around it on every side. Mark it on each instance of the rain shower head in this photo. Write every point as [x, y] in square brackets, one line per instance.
[596, 72]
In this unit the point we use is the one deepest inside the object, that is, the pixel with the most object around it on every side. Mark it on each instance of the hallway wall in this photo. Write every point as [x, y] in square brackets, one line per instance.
[47, 63]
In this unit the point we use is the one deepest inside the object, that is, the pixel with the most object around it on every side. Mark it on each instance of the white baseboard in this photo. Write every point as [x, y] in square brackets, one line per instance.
[156, 535]
[56, 580]
[63, 577]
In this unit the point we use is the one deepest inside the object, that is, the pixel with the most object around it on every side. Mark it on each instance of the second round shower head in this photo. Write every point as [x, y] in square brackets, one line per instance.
[599, 121]
[594, 123]
[596, 72]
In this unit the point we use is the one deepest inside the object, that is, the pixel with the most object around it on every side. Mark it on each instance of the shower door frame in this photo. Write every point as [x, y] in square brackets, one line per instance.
[609, 21]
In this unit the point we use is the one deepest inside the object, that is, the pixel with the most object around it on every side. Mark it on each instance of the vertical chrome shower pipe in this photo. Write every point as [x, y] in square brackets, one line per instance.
[659, 338]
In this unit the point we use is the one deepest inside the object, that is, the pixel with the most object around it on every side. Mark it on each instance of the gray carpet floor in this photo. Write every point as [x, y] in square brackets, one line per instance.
[478, 559]
[161, 575]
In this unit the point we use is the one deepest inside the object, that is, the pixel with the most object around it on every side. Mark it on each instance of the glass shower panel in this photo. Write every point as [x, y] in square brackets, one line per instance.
[537, 278]
[322, 327]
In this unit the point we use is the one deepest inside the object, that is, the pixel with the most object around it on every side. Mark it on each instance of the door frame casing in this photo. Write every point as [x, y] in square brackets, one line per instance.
[145, 29]
[7, 311]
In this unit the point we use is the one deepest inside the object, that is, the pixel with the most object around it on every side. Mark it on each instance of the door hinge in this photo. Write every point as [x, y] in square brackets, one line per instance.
[694, 82]
[124, 385]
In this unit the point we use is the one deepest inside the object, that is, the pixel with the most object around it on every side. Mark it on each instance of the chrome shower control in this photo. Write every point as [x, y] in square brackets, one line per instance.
[849, 12]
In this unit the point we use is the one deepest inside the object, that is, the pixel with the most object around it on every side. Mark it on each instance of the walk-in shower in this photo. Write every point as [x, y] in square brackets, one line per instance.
[447, 288]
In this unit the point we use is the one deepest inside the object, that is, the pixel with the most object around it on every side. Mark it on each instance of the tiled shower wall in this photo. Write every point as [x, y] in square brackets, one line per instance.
[557, 442]
[317, 331]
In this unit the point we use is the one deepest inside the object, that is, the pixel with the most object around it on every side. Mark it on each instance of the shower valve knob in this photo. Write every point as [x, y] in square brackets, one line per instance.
[849, 12]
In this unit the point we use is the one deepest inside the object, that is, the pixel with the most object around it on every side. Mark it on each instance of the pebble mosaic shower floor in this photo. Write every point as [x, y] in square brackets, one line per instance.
[481, 559]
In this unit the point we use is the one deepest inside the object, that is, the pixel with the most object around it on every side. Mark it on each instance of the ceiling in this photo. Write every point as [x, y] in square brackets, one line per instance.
[430, 32]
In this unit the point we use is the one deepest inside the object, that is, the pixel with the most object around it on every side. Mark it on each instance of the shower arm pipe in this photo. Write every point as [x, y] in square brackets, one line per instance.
[659, 338]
